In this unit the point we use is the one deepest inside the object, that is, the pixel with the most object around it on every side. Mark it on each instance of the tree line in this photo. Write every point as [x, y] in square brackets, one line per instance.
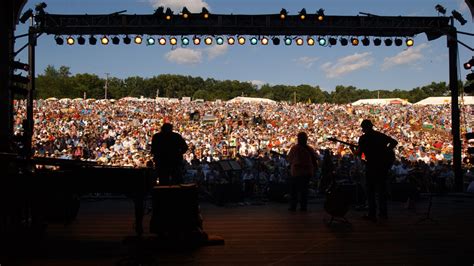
[61, 83]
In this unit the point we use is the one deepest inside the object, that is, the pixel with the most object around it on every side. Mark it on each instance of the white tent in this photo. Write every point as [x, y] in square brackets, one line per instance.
[445, 100]
[383, 101]
[251, 100]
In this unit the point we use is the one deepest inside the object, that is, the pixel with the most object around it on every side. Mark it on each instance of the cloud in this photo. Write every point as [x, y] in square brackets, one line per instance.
[216, 50]
[407, 56]
[347, 64]
[194, 6]
[306, 61]
[184, 56]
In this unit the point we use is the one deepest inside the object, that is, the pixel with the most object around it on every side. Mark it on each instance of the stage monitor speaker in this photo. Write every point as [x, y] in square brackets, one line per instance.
[175, 210]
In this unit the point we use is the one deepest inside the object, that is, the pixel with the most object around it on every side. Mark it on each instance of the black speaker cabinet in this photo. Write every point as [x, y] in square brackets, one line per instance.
[175, 209]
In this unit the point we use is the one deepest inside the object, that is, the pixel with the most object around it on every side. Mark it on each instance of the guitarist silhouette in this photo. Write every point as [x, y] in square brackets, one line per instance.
[378, 150]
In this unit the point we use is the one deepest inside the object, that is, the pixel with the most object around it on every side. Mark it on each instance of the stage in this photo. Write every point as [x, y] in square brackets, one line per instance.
[265, 234]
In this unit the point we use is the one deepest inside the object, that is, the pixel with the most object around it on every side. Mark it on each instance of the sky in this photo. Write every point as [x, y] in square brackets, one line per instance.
[368, 67]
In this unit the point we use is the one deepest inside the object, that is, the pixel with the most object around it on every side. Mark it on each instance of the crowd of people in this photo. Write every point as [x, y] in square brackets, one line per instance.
[119, 132]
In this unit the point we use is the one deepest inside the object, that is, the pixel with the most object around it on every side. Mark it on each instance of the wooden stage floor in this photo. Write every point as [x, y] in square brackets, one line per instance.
[269, 235]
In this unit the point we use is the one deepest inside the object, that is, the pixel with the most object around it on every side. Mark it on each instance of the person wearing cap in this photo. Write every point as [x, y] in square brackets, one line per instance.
[168, 148]
[378, 151]
[303, 164]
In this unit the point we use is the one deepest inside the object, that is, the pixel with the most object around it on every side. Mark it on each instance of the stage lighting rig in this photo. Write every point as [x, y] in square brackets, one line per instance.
[398, 42]
[81, 40]
[185, 13]
[388, 42]
[440, 9]
[184, 41]
[231, 40]
[70, 40]
[168, 14]
[104, 40]
[208, 40]
[205, 13]
[264, 41]
[173, 41]
[220, 40]
[332, 41]
[409, 42]
[299, 41]
[283, 13]
[115, 40]
[355, 41]
[241, 40]
[288, 41]
[303, 14]
[458, 17]
[92, 40]
[127, 40]
[162, 41]
[310, 41]
[322, 41]
[196, 40]
[138, 39]
[27, 15]
[343, 41]
[59, 40]
[276, 41]
[377, 41]
[366, 41]
[17, 65]
[159, 12]
[253, 41]
[320, 14]
[469, 64]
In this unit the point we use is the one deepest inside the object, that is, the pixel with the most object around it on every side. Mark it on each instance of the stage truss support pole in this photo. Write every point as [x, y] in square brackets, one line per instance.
[455, 113]
[31, 91]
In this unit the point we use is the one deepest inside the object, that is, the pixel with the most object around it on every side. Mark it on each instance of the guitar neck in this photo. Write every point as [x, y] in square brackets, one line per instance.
[343, 142]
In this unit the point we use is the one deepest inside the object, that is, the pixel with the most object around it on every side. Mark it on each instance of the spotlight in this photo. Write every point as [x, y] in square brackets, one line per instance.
[253, 40]
[366, 41]
[320, 14]
[310, 41]
[343, 41]
[27, 15]
[288, 41]
[59, 40]
[303, 14]
[276, 41]
[409, 42]
[398, 42]
[231, 40]
[70, 40]
[159, 11]
[220, 40]
[469, 64]
[459, 17]
[205, 13]
[115, 40]
[440, 9]
[40, 7]
[92, 40]
[283, 13]
[332, 41]
[127, 40]
[150, 41]
[196, 40]
[81, 40]
[388, 42]
[185, 13]
[299, 41]
[168, 14]
[184, 41]
[354, 41]
[138, 39]
[322, 41]
[173, 41]
[208, 40]
[162, 41]
[104, 40]
[264, 41]
[377, 41]
[241, 40]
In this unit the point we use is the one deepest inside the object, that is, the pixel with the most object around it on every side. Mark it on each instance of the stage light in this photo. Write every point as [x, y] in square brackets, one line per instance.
[92, 40]
[276, 41]
[332, 41]
[299, 41]
[27, 15]
[354, 41]
[320, 14]
[59, 40]
[138, 39]
[310, 41]
[366, 41]
[70, 40]
[205, 13]
[104, 40]
[196, 40]
[283, 13]
[264, 41]
[409, 42]
[168, 14]
[150, 41]
[127, 40]
[184, 41]
[288, 41]
[377, 41]
[388, 42]
[398, 42]
[220, 40]
[159, 11]
[459, 17]
[81, 40]
[322, 41]
[173, 41]
[303, 14]
[343, 41]
[162, 41]
[208, 40]
[440, 9]
[241, 40]
[185, 13]
[253, 40]
[231, 40]
[115, 40]
[469, 64]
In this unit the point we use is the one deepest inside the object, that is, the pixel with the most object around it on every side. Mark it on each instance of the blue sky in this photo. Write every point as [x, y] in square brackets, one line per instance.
[364, 67]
